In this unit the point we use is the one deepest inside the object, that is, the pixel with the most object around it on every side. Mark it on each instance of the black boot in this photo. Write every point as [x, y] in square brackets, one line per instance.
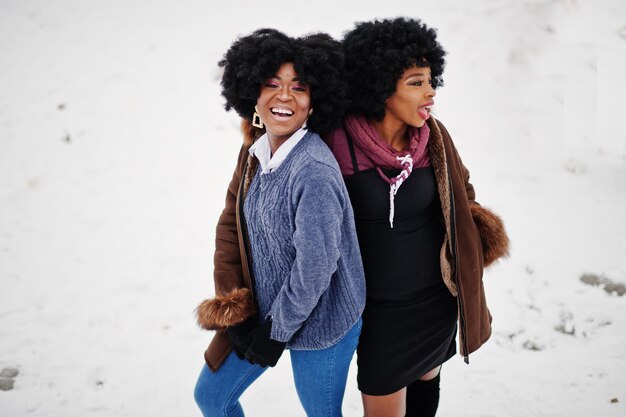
[422, 398]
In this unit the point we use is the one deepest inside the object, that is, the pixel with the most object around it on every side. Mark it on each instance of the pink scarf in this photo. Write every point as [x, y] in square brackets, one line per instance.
[382, 154]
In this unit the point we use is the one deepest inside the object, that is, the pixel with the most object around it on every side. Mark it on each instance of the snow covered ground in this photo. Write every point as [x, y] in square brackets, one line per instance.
[115, 153]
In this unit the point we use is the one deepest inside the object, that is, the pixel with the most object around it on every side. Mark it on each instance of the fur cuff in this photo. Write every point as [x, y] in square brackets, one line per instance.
[492, 234]
[226, 310]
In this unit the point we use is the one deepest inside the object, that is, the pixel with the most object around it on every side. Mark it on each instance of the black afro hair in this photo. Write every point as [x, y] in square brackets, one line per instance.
[378, 52]
[317, 58]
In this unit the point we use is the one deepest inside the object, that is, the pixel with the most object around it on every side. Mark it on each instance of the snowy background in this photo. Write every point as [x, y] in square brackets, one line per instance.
[115, 154]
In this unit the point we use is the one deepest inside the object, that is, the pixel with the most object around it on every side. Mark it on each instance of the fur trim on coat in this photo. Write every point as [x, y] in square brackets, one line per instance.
[492, 234]
[226, 310]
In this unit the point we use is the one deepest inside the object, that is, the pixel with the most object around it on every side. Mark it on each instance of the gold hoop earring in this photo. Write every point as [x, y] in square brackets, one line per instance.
[256, 120]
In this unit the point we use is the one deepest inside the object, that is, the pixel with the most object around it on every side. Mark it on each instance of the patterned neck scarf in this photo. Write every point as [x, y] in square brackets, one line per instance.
[382, 154]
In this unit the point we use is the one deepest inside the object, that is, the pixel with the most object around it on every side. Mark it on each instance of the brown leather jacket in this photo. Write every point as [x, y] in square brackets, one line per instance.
[475, 237]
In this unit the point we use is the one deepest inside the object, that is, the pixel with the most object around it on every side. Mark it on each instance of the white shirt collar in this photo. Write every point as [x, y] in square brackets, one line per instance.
[261, 149]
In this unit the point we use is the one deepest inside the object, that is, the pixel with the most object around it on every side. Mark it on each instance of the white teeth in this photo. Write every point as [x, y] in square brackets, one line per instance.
[282, 111]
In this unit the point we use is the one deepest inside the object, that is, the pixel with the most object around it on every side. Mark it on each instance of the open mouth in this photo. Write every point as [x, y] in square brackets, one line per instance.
[281, 112]
[424, 111]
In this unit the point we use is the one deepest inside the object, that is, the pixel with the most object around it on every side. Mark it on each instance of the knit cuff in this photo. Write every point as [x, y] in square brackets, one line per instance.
[279, 334]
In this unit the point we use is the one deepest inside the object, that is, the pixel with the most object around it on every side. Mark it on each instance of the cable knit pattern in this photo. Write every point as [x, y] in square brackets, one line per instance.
[305, 254]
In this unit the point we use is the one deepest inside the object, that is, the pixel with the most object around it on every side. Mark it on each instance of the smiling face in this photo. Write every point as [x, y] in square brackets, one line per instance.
[284, 103]
[410, 104]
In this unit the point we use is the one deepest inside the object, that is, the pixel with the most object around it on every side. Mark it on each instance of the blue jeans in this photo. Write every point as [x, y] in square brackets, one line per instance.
[319, 375]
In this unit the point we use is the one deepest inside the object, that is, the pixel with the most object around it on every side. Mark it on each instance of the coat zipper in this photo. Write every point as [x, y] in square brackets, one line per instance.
[456, 272]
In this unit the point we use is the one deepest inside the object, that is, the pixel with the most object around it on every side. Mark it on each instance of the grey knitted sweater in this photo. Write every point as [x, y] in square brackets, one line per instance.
[305, 254]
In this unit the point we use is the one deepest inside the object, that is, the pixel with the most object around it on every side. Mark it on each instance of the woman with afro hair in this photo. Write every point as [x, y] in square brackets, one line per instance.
[423, 238]
[288, 271]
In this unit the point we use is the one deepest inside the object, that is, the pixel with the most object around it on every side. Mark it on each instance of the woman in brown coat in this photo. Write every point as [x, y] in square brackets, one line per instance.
[424, 239]
[288, 272]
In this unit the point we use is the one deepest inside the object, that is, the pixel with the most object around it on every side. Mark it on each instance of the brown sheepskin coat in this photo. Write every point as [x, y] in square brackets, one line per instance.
[475, 238]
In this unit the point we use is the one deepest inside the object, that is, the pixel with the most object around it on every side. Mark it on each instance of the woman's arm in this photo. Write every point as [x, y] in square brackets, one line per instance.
[320, 208]
[233, 301]
[227, 271]
[495, 242]
[469, 188]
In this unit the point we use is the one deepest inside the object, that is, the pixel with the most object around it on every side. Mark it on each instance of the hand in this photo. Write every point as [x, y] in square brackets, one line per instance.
[240, 335]
[263, 350]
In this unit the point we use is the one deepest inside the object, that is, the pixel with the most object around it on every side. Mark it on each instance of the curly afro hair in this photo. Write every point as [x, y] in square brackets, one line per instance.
[378, 52]
[317, 58]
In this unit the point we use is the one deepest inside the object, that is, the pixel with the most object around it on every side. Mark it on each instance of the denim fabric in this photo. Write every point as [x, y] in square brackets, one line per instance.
[320, 378]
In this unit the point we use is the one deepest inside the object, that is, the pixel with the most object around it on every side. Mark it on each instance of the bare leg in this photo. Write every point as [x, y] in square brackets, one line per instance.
[392, 405]
[430, 374]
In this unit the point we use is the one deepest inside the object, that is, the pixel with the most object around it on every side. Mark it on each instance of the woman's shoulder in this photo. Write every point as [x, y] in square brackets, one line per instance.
[438, 128]
[334, 137]
[314, 165]
[317, 153]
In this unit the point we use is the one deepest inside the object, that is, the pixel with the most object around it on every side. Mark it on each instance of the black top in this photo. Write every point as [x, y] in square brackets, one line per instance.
[398, 261]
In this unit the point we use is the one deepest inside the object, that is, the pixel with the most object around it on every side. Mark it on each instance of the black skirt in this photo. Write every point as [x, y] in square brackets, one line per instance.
[401, 341]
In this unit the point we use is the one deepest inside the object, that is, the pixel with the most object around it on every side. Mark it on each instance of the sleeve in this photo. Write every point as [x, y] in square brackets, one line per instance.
[233, 301]
[320, 204]
[227, 271]
[469, 188]
[493, 236]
